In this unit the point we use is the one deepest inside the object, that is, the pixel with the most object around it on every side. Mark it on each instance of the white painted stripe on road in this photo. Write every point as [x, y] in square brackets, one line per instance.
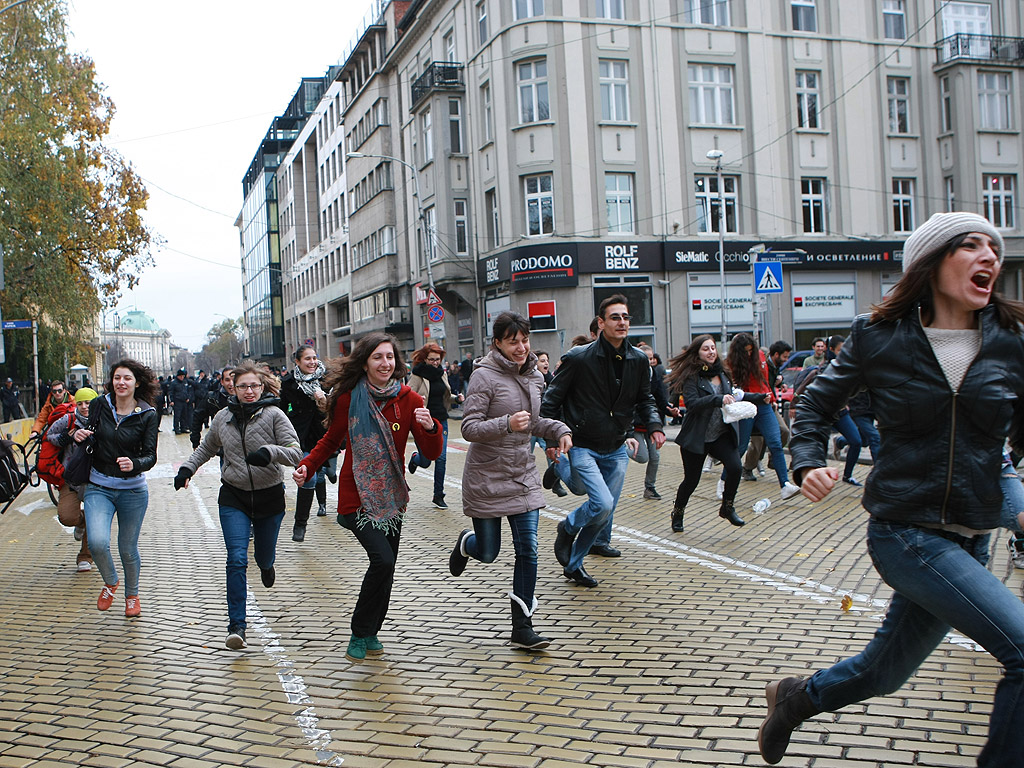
[204, 512]
[32, 506]
[799, 586]
[293, 685]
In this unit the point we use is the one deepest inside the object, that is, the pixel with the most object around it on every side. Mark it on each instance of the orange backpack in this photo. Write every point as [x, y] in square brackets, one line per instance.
[48, 465]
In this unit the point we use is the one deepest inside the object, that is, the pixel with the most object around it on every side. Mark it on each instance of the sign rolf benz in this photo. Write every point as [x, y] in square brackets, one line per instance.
[558, 264]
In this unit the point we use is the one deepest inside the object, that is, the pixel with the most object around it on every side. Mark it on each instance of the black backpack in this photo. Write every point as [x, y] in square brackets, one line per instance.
[12, 479]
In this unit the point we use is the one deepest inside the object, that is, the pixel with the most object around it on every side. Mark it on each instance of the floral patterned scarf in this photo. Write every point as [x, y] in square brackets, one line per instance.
[376, 466]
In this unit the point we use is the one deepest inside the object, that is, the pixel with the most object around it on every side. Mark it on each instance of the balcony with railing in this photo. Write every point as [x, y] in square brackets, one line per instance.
[438, 76]
[992, 49]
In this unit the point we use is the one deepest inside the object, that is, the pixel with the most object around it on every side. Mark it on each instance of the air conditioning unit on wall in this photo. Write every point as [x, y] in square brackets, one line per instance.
[395, 315]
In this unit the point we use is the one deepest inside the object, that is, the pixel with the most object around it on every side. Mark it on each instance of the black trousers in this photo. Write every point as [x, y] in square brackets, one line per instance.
[726, 451]
[375, 594]
[182, 422]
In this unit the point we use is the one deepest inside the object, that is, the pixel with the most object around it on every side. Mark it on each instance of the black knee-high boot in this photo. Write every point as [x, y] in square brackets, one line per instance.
[321, 499]
[523, 635]
[303, 503]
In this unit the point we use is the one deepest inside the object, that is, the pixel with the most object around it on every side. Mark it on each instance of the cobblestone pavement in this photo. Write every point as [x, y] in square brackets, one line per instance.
[664, 663]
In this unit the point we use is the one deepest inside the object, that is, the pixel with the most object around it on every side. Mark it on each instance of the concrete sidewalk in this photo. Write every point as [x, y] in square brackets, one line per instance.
[664, 663]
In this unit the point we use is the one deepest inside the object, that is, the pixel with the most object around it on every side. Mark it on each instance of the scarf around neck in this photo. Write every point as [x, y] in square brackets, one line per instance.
[310, 382]
[710, 371]
[376, 467]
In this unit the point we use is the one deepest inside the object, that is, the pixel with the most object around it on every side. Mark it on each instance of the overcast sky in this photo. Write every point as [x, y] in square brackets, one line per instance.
[196, 85]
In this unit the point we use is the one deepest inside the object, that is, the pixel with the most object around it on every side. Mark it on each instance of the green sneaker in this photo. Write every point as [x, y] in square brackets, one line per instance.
[374, 646]
[356, 648]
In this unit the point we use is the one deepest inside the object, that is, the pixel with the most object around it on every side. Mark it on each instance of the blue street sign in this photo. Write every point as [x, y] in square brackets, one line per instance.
[767, 277]
[10, 325]
[435, 313]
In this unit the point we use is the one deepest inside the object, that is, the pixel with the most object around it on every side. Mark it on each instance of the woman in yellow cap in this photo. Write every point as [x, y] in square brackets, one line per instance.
[69, 500]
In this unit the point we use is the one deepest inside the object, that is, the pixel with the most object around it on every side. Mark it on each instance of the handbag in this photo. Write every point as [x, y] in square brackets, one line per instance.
[79, 464]
[736, 411]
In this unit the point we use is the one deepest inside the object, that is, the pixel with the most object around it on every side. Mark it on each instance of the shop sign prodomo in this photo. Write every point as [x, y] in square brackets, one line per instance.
[552, 265]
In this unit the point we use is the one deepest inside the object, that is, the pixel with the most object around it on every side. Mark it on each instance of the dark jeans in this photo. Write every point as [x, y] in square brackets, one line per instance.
[235, 526]
[868, 434]
[375, 593]
[485, 543]
[725, 450]
[940, 581]
[440, 463]
[850, 432]
[182, 421]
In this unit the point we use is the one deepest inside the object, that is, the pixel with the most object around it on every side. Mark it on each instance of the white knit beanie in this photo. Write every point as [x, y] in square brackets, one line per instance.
[943, 227]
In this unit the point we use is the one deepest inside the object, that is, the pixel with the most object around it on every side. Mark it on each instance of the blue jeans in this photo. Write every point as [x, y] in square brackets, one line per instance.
[848, 429]
[101, 504]
[940, 581]
[602, 474]
[319, 477]
[485, 543]
[768, 426]
[1013, 498]
[235, 525]
[647, 453]
[440, 463]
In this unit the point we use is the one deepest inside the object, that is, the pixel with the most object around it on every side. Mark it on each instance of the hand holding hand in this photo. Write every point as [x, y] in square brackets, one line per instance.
[299, 476]
[658, 438]
[818, 483]
[519, 422]
[565, 445]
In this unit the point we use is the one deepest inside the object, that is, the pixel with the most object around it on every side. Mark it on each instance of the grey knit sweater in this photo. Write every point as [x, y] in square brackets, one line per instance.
[267, 427]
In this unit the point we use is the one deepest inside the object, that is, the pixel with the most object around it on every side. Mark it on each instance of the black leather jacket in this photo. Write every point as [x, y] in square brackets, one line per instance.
[582, 391]
[701, 401]
[135, 437]
[941, 452]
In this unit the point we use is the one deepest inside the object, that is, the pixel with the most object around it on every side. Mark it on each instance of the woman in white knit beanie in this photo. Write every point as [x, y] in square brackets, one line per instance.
[942, 357]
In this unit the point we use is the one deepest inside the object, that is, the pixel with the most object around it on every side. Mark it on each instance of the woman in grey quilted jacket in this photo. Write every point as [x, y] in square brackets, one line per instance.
[256, 438]
[500, 478]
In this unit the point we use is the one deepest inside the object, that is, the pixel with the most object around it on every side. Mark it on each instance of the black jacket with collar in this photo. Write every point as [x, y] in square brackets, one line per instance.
[135, 437]
[583, 395]
[941, 453]
[302, 411]
[701, 400]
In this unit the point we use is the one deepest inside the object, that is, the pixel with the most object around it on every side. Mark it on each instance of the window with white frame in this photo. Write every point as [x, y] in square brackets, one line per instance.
[614, 90]
[461, 227]
[808, 97]
[898, 89]
[427, 135]
[894, 20]
[709, 206]
[950, 197]
[481, 22]
[805, 15]
[714, 13]
[945, 105]
[526, 9]
[485, 97]
[994, 100]
[539, 201]
[711, 94]
[455, 125]
[449, 47]
[491, 204]
[532, 77]
[997, 192]
[430, 219]
[618, 197]
[813, 203]
[902, 205]
[611, 9]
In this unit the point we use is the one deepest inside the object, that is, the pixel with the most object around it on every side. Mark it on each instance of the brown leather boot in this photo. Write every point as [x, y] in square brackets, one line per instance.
[788, 706]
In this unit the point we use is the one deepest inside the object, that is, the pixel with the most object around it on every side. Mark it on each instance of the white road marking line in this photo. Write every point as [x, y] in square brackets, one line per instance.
[204, 512]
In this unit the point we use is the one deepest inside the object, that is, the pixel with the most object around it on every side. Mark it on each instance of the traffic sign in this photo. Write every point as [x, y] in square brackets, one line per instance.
[767, 277]
[435, 313]
[10, 325]
[432, 297]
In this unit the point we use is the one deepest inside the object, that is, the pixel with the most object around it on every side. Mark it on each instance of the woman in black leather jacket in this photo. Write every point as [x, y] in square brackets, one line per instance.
[125, 427]
[943, 359]
[698, 373]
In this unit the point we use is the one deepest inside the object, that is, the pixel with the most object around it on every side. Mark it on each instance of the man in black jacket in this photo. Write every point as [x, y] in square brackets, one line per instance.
[597, 390]
[207, 407]
[180, 394]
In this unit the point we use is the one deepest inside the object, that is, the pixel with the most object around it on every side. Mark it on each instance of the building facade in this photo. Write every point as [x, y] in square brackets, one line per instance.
[136, 335]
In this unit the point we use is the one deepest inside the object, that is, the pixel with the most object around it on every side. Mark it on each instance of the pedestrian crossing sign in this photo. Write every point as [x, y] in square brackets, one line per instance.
[767, 277]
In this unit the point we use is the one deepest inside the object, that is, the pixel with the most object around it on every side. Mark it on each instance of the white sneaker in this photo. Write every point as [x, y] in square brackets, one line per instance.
[789, 491]
[720, 489]
[84, 565]
[760, 468]
[707, 465]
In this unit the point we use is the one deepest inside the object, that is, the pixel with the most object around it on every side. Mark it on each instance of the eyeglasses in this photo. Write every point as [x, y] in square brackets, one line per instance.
[617, 318]
[248, 387]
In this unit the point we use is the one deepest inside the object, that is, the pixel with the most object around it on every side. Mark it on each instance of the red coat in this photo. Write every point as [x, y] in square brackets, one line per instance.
[396, 410]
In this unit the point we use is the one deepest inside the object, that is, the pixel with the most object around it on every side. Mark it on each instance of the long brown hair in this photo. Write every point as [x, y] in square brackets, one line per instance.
[915, 287]
[686, 363]
[146, 387]
[744, 366]
[344, 373]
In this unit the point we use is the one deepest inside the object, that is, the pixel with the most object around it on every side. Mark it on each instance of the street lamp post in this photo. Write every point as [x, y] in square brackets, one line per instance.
[716, 155]
[427, 234]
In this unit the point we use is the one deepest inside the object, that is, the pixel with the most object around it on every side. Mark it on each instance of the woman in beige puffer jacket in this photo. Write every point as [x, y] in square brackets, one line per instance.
[500, 479]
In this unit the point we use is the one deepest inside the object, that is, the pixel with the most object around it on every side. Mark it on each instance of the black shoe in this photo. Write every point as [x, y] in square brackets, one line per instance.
[604, 550]
[559, 490]
[550, 478]
[321, 511]
[267, 576]
[677, 519]
[236, 639]
[456, 560]
[580, 576]
[650, 493]
[523, 634]
[299, 533]
[853, 481]
[748, 474]
[439, 502]
[332, 475]
[413, 466]
[728, 512]
[563, 544]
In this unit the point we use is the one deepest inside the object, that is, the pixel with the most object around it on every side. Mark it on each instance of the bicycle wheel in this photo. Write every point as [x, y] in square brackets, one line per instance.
[51, 490]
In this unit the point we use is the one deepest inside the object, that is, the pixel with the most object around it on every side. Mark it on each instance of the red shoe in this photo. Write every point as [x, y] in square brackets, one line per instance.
[106, 597]
[132, 606]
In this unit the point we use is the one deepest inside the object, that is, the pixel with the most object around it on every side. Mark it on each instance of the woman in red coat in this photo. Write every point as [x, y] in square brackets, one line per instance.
[372, 412]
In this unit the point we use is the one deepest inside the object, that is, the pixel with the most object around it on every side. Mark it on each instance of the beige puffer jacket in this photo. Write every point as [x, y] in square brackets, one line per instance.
[500, 477]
